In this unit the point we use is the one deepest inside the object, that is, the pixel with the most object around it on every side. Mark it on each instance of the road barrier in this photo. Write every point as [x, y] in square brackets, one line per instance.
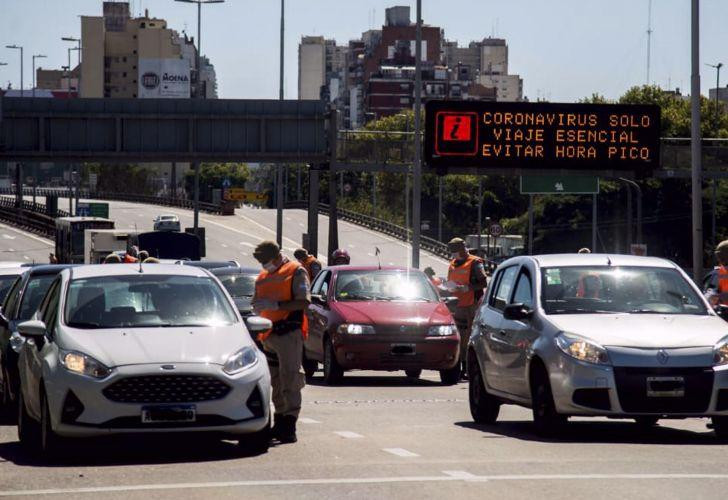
[382, 226]
[31, 217]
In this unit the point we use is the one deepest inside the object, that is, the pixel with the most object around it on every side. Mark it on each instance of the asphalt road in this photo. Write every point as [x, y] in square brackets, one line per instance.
[385, 436]
[234, 237]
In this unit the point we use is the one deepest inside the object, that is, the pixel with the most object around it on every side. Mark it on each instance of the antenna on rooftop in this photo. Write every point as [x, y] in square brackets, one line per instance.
[649, 38]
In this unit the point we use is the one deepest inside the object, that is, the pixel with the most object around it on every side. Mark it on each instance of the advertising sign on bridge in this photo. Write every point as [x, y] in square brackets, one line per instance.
[542, 136]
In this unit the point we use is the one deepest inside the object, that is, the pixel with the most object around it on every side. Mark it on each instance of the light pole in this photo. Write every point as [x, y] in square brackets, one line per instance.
[417, 166]
[717, 86]
[67, 69]
[639, 208]
[279, 167]
[21, 64]
[77, 40]
[35, 56]
[696, 177]
[198, 95]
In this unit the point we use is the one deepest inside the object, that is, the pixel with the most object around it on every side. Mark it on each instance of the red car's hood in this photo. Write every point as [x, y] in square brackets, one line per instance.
[398, 313]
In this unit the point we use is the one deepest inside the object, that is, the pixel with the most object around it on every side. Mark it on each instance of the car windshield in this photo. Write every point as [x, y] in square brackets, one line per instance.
[384, 285]
[168, 217]
[146, 301]
[239, 285]
[611, 289]
[34, 292]
[5, 283]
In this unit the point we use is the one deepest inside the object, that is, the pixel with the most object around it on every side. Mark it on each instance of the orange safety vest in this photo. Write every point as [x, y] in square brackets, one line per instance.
[128, 259]
[723, 284]
[307, 265]
[278, 286]
[461, 275]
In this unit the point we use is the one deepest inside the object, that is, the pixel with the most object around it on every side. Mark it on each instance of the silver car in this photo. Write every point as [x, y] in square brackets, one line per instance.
[588, 334]
[127, 349]
[167, 222]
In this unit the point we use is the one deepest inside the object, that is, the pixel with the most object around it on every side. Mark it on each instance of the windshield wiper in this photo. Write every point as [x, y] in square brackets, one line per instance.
[580, 310]
[648, 311]
[354, 296]
[82, 324]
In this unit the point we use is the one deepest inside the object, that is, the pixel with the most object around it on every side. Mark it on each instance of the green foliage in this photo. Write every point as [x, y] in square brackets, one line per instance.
[212, 176]
[121, 178]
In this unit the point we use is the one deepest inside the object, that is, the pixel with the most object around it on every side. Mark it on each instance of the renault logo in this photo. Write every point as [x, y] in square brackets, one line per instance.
[168, 367]
[662, 356]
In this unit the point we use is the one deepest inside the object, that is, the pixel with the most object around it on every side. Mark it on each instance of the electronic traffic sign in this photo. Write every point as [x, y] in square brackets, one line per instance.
[542, 136]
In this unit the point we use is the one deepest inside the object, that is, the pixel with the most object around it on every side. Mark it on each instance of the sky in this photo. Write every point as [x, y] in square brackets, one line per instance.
[563, 49]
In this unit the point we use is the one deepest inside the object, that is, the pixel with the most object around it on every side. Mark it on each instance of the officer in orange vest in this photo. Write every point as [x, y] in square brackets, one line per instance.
[131, 256]
[430, 273]
[466, 280]
[721, 253]
[309, 262]
[282, 294]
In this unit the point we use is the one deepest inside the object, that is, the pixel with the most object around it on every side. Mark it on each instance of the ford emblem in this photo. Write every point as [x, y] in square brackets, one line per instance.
[662, 356]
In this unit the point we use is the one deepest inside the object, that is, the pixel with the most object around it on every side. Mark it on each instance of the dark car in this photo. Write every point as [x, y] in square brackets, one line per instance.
[211, 264]
[240, 284]
[372, 318]
[19, 305]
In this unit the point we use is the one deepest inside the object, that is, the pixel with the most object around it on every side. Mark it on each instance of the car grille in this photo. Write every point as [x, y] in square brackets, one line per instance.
[167, 389]
[396, 330]
[632, 390]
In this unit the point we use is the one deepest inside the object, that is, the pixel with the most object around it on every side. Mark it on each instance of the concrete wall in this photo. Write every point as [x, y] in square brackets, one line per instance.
[92, 69]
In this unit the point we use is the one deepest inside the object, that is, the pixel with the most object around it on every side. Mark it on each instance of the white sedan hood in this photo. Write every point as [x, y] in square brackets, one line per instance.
[134, 346]
[648, 331]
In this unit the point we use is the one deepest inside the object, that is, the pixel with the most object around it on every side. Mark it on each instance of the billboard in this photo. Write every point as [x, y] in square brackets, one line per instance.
[165, 78]
[542, 136]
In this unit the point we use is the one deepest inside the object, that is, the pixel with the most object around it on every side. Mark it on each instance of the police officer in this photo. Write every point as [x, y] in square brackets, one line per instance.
[282, 294]
[466, 280]
[721, 253]
[309, 262]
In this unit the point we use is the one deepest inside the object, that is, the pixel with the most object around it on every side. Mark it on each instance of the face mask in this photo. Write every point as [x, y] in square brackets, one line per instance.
[455, 255]
[270, 267]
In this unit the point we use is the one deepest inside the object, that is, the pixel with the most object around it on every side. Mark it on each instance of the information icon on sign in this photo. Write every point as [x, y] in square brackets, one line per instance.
[456, 133]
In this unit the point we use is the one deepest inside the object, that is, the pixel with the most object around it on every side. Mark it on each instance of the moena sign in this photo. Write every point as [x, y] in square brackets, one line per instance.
[164, 78]
[536, 136]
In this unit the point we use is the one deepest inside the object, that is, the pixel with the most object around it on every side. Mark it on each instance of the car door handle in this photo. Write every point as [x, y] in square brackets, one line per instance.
[502, 333]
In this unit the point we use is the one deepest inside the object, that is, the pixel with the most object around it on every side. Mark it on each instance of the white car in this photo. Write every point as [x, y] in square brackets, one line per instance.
[8, 275]
[167, 222]
[588, 334]
[122, 349]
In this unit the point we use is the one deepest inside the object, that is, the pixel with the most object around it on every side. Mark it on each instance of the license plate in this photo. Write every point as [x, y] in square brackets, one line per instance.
[661, 387]
[176, 413]
[403, 349]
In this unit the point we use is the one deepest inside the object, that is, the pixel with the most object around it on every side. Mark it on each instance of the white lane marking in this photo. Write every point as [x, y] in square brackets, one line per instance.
[370, 254]
[28, 235]
[223, 245]
[400, 452]
[359, 480]
[8, 237]
[461, 474]
[257, 224]
[301, 224]
[11, 249]
[288, 219]
[391, 263]
[351, 245]
[348, 434]
[306, 420]
[26, 257]
[246, 244]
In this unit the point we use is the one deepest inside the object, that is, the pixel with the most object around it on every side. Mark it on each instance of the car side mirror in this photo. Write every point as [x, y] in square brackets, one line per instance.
[517, 312]
[722, 311]
[450, 301]
[318, 299]
[32, 328]
[257, 324]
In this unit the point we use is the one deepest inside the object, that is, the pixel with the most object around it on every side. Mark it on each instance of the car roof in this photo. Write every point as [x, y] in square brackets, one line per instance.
[98, 270]
[371, 268]
[13, 271]
[597, 259]
[49, 269]
[224, 271]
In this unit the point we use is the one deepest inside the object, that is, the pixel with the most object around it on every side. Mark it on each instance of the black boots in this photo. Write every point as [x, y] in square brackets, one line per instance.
[284, 428]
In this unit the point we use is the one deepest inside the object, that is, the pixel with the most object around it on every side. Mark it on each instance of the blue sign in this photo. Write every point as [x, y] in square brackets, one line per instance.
[226, 183]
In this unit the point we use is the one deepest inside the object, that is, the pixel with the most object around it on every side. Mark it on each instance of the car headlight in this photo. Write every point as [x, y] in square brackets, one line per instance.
[244, 358]
[720, 352]
[442, 330]
[356, 329]
[582, 349]
[83, 364]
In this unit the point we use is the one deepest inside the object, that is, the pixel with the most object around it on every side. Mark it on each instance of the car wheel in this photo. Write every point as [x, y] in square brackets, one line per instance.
[413, 373]
[451, 376]
[310, 367]
[50, 442]
[333, 373]
[6, 405]
[646, 422]
[720, 427]
[545, 417]
[28, 429]
[483, 406]
[256, 443]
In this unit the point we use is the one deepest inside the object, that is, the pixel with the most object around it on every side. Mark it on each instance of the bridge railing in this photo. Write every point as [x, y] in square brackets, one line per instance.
[30, 217]
[382, 226]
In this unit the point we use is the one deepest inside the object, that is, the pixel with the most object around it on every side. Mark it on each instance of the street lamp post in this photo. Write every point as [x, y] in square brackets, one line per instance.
[695, 143]
[417, 165]
[639, 208]
[279, 167]
[717, 86]
[21, 64]
[77, 40]
[198, 95]
[35, 56]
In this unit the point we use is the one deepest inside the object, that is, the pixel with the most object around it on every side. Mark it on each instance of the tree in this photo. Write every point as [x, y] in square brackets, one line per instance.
[212, 176]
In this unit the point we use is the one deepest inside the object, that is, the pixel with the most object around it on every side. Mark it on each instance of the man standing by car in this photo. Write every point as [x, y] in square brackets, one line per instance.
[721, 253]
[309, 262]
[466, 280]
[282, 294]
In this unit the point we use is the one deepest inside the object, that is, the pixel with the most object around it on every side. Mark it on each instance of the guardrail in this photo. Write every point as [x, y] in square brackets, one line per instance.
[132, 197]
[30, 217]
[431, 245]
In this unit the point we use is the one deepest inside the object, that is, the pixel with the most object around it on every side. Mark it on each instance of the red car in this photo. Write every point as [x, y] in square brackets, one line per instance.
[389, 318]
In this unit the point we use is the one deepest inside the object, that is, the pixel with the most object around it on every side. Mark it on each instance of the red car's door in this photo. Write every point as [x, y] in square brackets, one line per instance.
[317, 314]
